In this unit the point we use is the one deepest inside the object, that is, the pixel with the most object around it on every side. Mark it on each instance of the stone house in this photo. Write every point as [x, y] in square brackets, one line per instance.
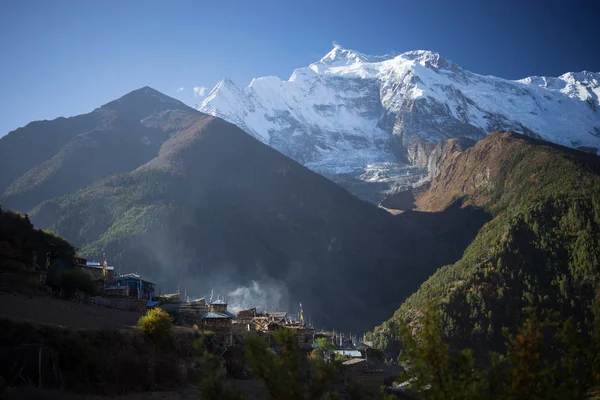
[219, 321]
[357, 373]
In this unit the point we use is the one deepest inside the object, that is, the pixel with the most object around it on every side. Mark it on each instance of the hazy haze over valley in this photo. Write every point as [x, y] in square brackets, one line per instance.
[314, 200]
[256, 188]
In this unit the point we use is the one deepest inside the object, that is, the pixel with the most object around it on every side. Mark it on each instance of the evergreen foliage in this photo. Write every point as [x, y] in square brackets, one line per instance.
[542, 246]
[547, 358]
[212, 385]
[282, 372]
[19, 240]
[76, 279]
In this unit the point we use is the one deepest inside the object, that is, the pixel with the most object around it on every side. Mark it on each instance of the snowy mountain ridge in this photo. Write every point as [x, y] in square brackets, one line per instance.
[355, 116]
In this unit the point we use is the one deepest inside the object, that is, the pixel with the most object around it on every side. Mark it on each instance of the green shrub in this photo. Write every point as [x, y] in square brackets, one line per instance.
[325, 345]
[175, 315]
[210, 335]
[156, 324]
[213, 385]
[281, 371]
[546, 358]
[75, 279]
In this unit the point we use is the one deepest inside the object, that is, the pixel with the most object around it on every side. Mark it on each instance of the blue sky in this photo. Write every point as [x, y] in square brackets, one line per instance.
[63, 57]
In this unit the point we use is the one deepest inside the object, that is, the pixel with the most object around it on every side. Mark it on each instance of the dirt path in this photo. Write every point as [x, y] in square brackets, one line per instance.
[64, 313]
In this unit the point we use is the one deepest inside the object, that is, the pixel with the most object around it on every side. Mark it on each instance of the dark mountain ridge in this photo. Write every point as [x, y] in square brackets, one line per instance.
[51, 158]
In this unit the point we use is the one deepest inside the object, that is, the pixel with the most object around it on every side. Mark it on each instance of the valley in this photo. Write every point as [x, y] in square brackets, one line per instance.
[321, 223]
[209, 207]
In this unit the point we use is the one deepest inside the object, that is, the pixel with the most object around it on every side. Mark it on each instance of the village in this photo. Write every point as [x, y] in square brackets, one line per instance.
[131, 291]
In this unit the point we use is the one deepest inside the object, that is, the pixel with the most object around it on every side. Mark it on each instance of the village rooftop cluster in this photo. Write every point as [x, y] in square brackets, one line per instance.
[131, 291]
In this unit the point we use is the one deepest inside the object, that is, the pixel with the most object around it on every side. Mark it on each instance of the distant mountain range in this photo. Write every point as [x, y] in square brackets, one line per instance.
[192, 201]
[368, 122]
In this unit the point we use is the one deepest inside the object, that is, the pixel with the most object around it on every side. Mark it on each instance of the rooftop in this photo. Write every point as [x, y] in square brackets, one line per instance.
[354, 361]
[201, 300]
[297, 326]
[349, 353]
[216, 315]
[130, 275]
[219, 301]
[134, 277]
[96, 265]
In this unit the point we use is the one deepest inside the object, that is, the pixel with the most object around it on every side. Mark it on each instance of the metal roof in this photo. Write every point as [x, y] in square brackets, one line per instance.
[134, 277]
[349, 353]
[200, 300]
[215, 315]
[130, 275]
[97, 266]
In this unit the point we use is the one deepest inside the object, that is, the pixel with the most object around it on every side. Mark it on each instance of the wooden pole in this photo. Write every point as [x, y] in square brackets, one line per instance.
[40, 368]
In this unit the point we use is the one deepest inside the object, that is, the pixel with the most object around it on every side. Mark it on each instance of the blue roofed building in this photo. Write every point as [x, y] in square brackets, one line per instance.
[138, 287]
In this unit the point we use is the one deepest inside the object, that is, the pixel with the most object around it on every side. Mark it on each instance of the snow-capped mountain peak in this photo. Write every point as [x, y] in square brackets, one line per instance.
[352, 114]
[341, 56]
[429, 59]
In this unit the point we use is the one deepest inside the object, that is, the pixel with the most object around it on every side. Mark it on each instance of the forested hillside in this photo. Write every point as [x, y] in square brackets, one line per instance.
[21, 244]
[542, 248]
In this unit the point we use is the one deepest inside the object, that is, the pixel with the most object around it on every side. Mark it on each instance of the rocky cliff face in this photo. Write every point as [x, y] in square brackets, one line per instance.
[367, 121]
[445, 149]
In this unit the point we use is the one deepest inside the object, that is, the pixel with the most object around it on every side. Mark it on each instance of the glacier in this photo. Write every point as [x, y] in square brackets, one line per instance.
[358, 119]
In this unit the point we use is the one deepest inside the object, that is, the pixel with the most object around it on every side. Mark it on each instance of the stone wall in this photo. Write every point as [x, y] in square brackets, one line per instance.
[216, 324]
[357, 374]
[218, 308]
[247, 314]
[367, 381]
[305, 337]
[128, 304]
[187, 314]
[243, 327]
